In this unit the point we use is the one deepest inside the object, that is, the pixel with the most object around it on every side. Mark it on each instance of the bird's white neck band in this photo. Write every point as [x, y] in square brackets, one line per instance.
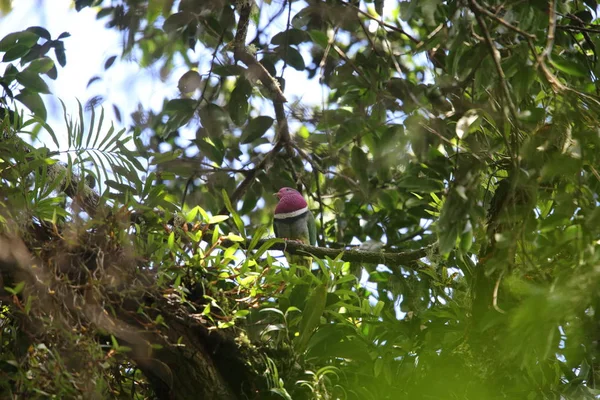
[291, 214]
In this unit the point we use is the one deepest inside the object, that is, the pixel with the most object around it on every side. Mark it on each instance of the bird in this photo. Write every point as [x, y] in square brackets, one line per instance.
[294, 221]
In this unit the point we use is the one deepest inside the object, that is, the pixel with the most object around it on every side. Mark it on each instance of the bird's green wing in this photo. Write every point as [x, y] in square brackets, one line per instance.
[312, 228]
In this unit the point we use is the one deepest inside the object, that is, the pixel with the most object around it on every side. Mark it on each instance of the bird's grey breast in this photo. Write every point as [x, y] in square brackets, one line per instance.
[293, 228]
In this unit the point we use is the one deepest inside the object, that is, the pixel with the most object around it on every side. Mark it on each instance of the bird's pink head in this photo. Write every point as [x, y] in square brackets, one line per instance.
[290, 200]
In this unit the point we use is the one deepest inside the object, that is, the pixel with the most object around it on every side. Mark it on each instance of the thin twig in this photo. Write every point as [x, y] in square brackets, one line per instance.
[577, 28]
[429, 37]
[381, 23]
[557, 86]
[495, 296]
[486, 12]
[366, 32]
[212, 65]
[342, 54]
[287, 34]
[325, 54]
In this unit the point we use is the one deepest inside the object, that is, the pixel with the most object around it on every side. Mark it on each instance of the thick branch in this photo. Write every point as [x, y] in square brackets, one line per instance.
[405, 258]
[191, 360]
[254, 66]
[242, 54]
[547, 53]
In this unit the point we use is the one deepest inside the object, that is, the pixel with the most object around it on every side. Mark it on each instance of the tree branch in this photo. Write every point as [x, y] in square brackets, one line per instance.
[557, 86]
[242, 54]
[189, 360]
[405, 258]
[577, 28]
[282, 138]
[495, 56]
[380, 22]
[547, 53]
[476, 7]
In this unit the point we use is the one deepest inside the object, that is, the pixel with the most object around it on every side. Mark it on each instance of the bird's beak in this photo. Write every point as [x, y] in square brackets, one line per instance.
[276, 194]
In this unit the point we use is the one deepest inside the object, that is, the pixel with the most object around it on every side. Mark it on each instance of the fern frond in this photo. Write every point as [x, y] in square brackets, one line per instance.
[99, 153]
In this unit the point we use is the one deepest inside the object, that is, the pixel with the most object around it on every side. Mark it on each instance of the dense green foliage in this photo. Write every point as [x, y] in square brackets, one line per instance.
[463, 134]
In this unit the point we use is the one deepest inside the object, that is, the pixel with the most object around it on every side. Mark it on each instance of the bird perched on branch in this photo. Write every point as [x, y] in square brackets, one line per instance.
[294, 221]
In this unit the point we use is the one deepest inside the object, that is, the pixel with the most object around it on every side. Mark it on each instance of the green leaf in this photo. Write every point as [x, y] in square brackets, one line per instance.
[234, 237]
[466, 241]
[256, 128]
[215, 219]
[292, 57]
[171, 240]
[209, 150]
[39, 31]
[181, 111]
[23, 38]
[155, 8]
[281, 392]
[178, 21]
[52, 73]
[80, 127]
[289, 37]
[15, 52]
[447, 238]
[159, 158]
[32, 82]
[569, 67]
[128, 173]
[423, 185]
[258, 234]
[311, 316]
[9, 41]
[359, 162]
[40, 65]
[236, 218]
[267, 245]
[302, 18]
[228, 70]
[10, 73]
[119, 187]
[180, 105]
[238, 102]
[17, 289]
[320, 38]
[189, 82]
[34, 102]
[59, 52]
[214, 120]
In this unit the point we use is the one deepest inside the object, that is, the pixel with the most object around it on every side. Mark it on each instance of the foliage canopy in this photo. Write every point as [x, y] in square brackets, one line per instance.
[452, 164]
